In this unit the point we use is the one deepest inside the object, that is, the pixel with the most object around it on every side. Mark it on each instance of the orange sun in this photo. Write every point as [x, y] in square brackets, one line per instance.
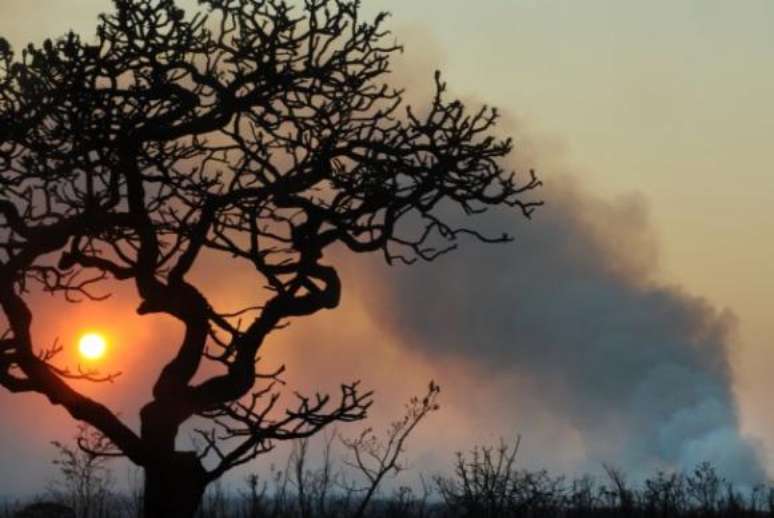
[92, 346]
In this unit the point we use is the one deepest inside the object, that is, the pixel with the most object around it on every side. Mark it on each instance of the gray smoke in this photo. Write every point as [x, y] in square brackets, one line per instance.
[570, 314]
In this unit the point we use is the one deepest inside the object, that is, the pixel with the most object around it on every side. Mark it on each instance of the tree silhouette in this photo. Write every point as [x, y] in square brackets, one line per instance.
[252, 131]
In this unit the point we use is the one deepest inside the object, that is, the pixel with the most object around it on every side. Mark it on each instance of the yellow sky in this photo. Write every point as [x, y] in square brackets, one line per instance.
[669, 98]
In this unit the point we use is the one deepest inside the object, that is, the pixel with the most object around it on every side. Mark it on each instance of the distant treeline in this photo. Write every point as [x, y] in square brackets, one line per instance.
[485, 483]
[365, 482]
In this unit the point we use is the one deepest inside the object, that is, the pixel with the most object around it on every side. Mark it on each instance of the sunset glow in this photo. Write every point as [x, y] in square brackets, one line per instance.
[224, 230]
[92, 346]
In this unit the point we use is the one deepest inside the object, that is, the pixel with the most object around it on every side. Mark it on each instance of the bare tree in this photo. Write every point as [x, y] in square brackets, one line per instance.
[705, 487]
[252, 132]
[375, 458]
[313, 484]
[86, 478]
[620, 491]
[487, 484]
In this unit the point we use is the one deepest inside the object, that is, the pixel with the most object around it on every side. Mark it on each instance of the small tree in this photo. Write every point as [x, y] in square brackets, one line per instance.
[374, 458]
[705, 487]
[622, 495]
[86, 479]
[486, 483]
[254, 132]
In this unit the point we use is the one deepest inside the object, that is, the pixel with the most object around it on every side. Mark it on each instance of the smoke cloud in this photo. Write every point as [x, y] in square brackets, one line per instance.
[571, 324]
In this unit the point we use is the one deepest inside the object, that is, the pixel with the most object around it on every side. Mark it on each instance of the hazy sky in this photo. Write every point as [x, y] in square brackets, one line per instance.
[657, 114]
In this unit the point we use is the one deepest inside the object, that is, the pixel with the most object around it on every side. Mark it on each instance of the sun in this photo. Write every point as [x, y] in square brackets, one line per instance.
[92, 346]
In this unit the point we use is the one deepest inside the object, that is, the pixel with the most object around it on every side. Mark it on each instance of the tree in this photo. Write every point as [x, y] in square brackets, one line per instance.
[375, 459]
[86, 480]
[252, 131]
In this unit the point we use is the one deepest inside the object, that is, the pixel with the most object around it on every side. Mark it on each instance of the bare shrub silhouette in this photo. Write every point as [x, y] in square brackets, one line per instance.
[486, 483]
[376, 458]
[86, 481]
[705, 487]
[252, 132]
[620, 496]
[313, 486]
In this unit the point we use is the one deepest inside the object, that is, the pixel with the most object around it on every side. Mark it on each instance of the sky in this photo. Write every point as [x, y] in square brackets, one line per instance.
[628, 323]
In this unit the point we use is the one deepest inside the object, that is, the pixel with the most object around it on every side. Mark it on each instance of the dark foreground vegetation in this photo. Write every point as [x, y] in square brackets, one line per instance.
[366, 476]
[485, 483]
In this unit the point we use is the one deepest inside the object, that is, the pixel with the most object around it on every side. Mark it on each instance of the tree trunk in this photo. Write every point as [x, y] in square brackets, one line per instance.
[174, 486]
